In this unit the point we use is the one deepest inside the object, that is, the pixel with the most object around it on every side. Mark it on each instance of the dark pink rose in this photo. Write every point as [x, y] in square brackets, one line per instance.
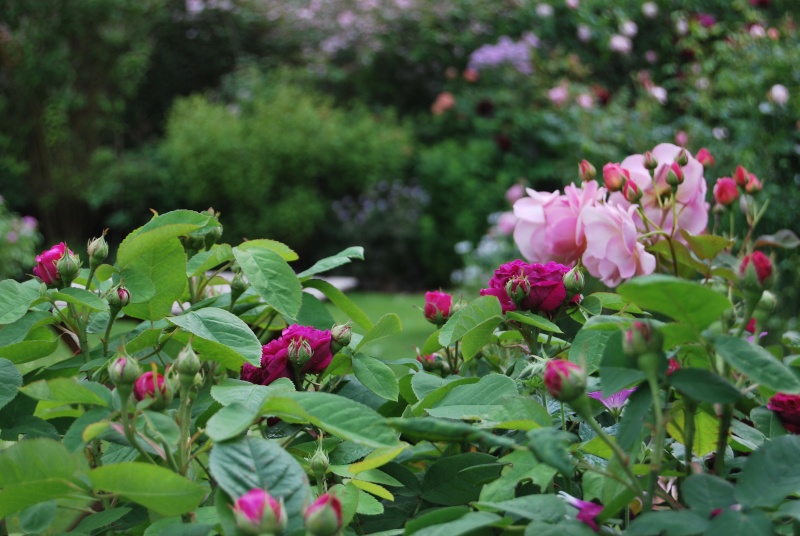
[324, 516]
[538, 287]
[565, 380]
[45, 268]
[257, 512]
[726, 191]
[761, 263]
[437, 306]
[319, 341]
[274, 364]
[788, 409]
[145, 386]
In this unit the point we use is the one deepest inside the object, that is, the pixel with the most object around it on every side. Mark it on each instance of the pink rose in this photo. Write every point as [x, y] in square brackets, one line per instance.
[145, 386]
[506, 223]
[45, 268]
[257, 512]
[274, 364]
[565, 380]
[612, 250]
[692, 209]
[725, 191]
[319, 341]
[538, 287]
[549, 226]
[324, 516]
[614, 177]
[437, 307]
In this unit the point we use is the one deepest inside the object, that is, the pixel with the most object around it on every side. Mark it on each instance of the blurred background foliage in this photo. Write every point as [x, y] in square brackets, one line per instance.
[393, 124]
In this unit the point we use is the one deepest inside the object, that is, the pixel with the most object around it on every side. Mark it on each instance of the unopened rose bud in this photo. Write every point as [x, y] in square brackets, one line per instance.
[683, 158]
[145, 388]
[705, 158]
[123, 371]
[68, 266]
[641, 338]
[614, 176]
[673, 365]
[97, 250]
[753, 185]
[650, 162]
[565, 380]
[211, 237]
[428, 361]
[741, 175]
[118, 298]
[756, 274]
[319, 463]
[726, 191]
[631, 192]
[238, 286]
[768, 302]
[300, 352]
[574, 281]
[518, 288]
[324, 516]
[341, 335]
[586, 171]
[438, 307]
[187, 364]
[258, 513]
[674, 175]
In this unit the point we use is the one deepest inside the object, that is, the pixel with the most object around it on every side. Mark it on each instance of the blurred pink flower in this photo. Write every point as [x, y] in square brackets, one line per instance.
[550, 227]
[558, 95]
[692, 208]
[515, 193]
[585, 101]
[506, 223]
[444, 101]
[620, 43]
[612, 250]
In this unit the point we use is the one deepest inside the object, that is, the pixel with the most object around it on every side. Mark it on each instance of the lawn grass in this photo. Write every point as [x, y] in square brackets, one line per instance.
[408, 307]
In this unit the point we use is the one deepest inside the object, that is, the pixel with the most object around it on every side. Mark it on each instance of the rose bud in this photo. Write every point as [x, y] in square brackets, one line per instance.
[726, 191]
[187, 364]
[45, 268]
[428, 361]
[68, 266]
[437, 307]
[238, 286]
[755, 272]
[753, 185]
[683, 158]
[614, 176]
[650, 162]
[641, 338]
[300, 351]
[740, 176]
[631, 192]
[145, 388]
[518, 288]
[574, 282]
[586, 171]
[565, 380]
[341, 335]
[324, 516]
[705, 158]
[97, 250]
[118, 298]
[674, 175]
[673, 365]
[257, 512]
[123, 371]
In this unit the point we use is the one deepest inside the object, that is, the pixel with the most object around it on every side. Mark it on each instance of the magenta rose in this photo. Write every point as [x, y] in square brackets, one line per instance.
[257, 512]
[437, 306]
[45, 268]
[726, 191]
[761, 263]
[319, 341]
[274, 364]
[541, 286]
[788, 409]
[565, 380]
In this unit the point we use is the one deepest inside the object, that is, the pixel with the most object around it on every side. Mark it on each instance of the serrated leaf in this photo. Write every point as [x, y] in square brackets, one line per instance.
[251, 396]
[704, 386]
[272, 278]
[376, 376]
[230, 422]
[160, 229]
[15, 298]
[475, 399]
[280, 248]
[64, 390]
[334, 261]
[706, 246]
[204, 261]
[221, 337]
[534, 320]
[377, 458]
[10, 382]
[81, 297]
[388, 325]
[164, 263]
[447, 483]
[770, 473]
[707, 492]
[481, 310]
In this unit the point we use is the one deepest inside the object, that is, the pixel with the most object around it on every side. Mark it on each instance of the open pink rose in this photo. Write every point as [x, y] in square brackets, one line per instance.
[540, 286]
[550, 227]
[274, 364]
[612, 250]
[692, 208]
[318, 340]
[45, 268]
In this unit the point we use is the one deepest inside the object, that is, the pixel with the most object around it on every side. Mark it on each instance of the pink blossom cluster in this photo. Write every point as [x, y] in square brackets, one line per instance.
[608, 228]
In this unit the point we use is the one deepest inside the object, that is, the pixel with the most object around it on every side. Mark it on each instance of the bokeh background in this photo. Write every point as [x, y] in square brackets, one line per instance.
[398, 125]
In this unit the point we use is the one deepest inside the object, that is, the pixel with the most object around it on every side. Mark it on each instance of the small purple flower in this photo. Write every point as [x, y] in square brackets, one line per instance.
[587, 511]
[614, 402]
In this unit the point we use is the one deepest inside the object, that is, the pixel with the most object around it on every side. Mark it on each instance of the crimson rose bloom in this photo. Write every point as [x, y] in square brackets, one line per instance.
[45, 268]
[437, 306]
[788, 409]
[542, 285]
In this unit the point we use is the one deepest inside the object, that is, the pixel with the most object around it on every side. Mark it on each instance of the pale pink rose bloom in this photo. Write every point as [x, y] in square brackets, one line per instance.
[506, 223]
[585, 101]
[612, 250]
[692, 208]
[515, 193]
[620, 43]
[549, 226]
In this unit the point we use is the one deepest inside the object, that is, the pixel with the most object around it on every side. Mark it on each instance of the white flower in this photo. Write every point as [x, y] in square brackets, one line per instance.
[629, 28]
[779, 94]
[650, 10]
[620, 43]
[659, 93]
[544, 10]
[584, 32]
[681, 26]
[756, 30]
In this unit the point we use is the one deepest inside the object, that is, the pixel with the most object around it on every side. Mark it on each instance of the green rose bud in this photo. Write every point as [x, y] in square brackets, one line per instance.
[68, 267]
[97, 250]
[341, 334]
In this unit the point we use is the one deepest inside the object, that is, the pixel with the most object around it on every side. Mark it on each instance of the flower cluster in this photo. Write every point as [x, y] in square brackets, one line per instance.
[727, 189]
[528, 287]
[506, 51]
[298, 351]
[645, 198]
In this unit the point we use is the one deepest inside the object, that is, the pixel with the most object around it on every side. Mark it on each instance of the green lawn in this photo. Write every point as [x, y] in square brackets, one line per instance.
[407, 306]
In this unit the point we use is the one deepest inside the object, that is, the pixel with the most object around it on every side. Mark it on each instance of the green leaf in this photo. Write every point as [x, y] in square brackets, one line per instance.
[81, 297]
[204, 261]
[782, 239]
[767, 422]
[19, 329]
[37, 518]
[475, 399]
[680, 299]
[280, 248]
[633, 424]
[34, 471]
[64, 390]
[335, 414]
[251, 462]
[449, 481]
[432, 344]
[388, 325]
[251, 396]
[272, 278]
[707, 247]
[329, 263]
[432, 429]
[520, 466]
[617, 371]
[314, 313]
[707, 493]
[434, 517]
[668, 523]
[588, 347]
[770, 473]
[159, 489]
[161, 229]
[164, 263]
[551, 447]
[545, 508]
[424, 383]
[474, 341]
[466, 524]
[740, 523]
[706, 429]
[485, 309]
[15, 298]
[438, 394]
[40, 342]
[615, 302]
[102, 519]
[230, 422]
[704, 386]
[376, 376]
[758, 364]
[138, 283]
[221, 337]
[341, 301]
[10, 381]
[534, 320]
[519, 413]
